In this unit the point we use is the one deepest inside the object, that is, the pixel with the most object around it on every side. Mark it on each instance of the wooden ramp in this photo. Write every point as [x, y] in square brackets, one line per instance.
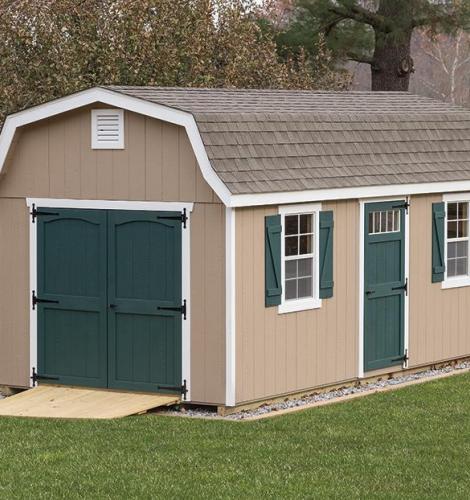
[48, 401]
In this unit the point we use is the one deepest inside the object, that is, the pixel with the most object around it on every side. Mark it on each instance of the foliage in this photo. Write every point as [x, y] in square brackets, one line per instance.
[49, 48]
[412, 443]
[372, 31]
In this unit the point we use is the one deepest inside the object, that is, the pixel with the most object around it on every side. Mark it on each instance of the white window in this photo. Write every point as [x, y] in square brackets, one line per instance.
[299, 247]
[384, 221]
[457, 248]
[107, 129]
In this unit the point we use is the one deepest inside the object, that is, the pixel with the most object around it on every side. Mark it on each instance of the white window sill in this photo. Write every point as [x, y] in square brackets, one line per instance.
[298, 305]
[456, 282]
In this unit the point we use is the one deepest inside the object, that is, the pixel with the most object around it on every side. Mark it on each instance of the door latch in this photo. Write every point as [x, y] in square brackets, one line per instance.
[403, 287]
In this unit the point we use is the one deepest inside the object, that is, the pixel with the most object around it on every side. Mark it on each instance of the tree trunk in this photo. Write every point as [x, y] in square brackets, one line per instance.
[393, 64]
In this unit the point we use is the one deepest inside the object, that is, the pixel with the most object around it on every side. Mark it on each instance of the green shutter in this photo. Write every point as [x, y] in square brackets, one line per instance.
[272, 260]
[326, 254]
[438, 227]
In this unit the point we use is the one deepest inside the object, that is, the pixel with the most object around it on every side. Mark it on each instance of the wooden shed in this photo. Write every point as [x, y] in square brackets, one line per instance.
[232, 246]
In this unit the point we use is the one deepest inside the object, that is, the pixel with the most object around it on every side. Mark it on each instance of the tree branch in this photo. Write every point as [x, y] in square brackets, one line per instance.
[360, 58]
[359, 14]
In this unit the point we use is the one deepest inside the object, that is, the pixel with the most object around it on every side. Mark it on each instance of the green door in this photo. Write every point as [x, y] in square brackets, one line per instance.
[144, 294]
[384, 284]
[109, 289]
[72, 323]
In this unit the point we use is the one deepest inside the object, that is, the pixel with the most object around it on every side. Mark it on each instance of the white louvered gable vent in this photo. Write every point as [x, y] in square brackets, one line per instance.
[107, 129]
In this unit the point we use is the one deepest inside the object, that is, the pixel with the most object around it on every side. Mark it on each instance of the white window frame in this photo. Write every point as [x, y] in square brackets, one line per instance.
[95, 143]
[288, 306]
[455, 281]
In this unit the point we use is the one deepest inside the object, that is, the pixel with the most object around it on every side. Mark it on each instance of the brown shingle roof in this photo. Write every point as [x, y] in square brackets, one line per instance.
[261, 141]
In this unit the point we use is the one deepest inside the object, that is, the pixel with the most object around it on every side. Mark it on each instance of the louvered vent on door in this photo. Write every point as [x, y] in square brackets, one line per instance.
[107, 129]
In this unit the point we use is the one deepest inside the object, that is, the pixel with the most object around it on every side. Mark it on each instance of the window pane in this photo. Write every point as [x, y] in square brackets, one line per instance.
[305, 287]
[291, 269]
[292, 245]
[463, 210]
[461, 267]
[305, 267]
[305, 244]
[306, 223]
[390, 220]
[451, 211]
[452, 229]
[377, 222]
[452, 249]
[463, 229]
[451, 267]
[461, 248]
[291, 289]
[292, 224]
[371, 222]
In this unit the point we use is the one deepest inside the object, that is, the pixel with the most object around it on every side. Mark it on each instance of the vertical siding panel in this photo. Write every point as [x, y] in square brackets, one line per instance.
[40, 162]
[136, 150]
[198, 300]
[88, 160]
[154, 160]
[214, 304]
[72, 156]
[352, 302]
[121, 164]
[204, 192]
[171, 180]
[341, 239]
[14, 292]
[104, 174]
[56, 158]
[187, 167]
[259, 339]
[291, 339]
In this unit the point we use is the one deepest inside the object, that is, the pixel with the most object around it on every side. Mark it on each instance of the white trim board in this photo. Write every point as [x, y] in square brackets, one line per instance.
[230, 304]
[117, 205]
[186, 120]
[362, 203]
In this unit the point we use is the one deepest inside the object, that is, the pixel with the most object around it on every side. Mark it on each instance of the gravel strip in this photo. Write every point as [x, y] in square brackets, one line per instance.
[314, 398]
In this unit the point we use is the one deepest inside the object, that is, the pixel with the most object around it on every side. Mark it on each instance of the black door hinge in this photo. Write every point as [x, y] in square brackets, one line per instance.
[183, 217]
[403, 358]
[183, 389]
[35, 300]
[35, 213]
[35, 377]
[404, 287]
[181, 309]
[404, 205]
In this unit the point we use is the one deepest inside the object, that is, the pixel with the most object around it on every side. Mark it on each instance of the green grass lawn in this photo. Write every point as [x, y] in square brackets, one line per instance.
[413, 443]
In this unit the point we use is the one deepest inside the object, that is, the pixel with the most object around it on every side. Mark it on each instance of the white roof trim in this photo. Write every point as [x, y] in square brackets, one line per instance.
[244, 200]
[118, 100]
[187, 121]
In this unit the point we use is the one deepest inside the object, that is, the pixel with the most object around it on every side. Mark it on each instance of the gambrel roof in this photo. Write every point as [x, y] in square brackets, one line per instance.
[266, 141]
[258, 147]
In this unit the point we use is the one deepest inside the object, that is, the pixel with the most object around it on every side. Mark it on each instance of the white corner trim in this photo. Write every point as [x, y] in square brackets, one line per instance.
[230, 337]
[362, 203]
[118, 100]
[288, 306]
[116, 205]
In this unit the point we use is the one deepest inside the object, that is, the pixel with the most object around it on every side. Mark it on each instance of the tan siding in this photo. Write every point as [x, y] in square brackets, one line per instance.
[439, 319]
[53, 159]
[14, 293]
[278, 353]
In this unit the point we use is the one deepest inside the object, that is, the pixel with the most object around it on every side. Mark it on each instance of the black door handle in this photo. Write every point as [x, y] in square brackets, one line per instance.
[112, 306]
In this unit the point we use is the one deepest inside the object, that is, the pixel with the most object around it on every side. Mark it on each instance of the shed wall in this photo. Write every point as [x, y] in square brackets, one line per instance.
[280, 353]
[53, 159]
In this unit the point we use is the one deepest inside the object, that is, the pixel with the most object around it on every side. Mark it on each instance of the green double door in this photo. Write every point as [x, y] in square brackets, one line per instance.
[109, 289]
[384, 284]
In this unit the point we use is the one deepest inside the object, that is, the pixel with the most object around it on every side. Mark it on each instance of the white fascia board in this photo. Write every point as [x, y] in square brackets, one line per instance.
[116, 99]
[243, 200]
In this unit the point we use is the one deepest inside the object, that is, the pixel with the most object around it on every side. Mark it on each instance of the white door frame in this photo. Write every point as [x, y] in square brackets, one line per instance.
[362, 203]
[116, 205]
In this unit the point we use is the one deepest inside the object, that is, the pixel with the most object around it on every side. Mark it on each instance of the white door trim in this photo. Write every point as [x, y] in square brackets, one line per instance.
[362, 203]
[117, 205]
